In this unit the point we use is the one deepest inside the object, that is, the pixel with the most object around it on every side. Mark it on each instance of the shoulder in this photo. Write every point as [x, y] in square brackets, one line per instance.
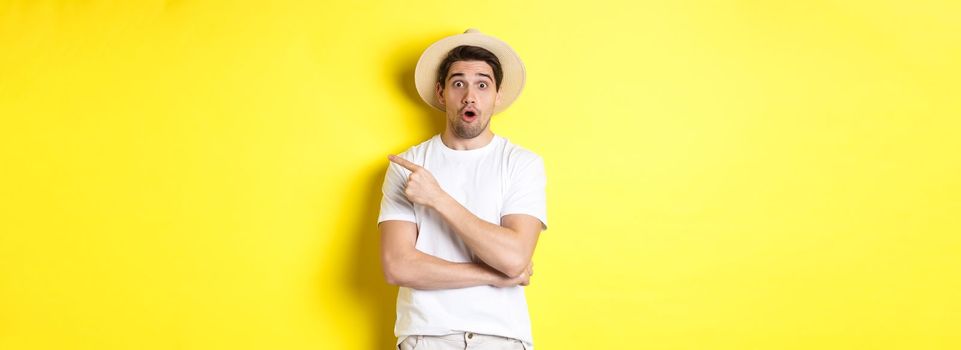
[520, 158]
[417, 153]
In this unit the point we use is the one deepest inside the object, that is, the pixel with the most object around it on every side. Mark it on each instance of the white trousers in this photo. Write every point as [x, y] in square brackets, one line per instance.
[460, 341]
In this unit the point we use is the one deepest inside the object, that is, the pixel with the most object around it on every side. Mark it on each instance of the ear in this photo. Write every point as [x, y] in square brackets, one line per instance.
[497, 98]
[439, 93]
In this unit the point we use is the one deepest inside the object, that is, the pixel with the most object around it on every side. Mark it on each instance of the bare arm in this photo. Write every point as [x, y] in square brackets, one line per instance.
[507, 247]
[406, 266]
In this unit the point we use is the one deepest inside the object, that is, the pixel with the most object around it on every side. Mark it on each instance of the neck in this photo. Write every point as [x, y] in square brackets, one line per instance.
[453, 142]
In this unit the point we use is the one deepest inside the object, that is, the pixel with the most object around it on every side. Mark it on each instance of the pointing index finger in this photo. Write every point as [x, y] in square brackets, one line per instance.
[403, 162]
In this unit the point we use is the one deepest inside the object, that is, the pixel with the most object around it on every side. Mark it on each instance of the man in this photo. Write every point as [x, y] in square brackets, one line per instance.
[462, 211]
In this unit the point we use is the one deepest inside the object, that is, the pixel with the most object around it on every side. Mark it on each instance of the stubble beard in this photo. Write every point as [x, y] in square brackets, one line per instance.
[466, 130]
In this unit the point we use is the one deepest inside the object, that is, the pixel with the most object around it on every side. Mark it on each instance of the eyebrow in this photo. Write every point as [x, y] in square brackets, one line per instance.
[462, 74]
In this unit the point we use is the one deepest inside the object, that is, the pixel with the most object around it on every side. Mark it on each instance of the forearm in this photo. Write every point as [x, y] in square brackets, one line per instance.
[506, 248]
[419, 270]
[496, 245]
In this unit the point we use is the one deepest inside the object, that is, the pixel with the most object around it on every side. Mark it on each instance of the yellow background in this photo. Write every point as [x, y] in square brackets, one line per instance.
[721, 174]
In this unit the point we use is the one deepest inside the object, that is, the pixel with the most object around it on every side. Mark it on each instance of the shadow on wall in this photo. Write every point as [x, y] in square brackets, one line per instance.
[367, 281]
[402, 65]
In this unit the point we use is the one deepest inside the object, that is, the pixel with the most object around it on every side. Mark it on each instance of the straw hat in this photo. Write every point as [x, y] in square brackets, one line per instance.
[425, 74]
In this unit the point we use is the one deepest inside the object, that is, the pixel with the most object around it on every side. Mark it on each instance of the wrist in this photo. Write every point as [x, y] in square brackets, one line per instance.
[490, 276]
[498, 280]
[441, 201]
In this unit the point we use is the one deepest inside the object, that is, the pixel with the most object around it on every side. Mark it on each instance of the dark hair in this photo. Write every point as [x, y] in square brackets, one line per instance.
[470, 53]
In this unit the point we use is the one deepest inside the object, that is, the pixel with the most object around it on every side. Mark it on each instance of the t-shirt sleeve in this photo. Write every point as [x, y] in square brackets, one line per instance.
[526, 193]
[394, 205]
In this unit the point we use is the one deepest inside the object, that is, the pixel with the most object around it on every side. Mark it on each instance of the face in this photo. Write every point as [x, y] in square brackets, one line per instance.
[469, 97]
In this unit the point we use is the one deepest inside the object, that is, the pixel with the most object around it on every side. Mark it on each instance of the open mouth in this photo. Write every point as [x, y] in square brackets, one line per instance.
[469, 116]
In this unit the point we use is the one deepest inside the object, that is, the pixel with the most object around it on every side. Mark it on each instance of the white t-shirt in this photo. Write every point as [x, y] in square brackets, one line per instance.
[497, 179]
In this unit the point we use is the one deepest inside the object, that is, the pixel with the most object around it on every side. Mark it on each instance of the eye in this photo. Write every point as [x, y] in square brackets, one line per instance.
[482, 85]
[458, 84]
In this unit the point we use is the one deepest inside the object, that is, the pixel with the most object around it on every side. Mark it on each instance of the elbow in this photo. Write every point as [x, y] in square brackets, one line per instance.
[514, 273]
[516, 268]
[394, 280]
[391, 275]
[394, 274]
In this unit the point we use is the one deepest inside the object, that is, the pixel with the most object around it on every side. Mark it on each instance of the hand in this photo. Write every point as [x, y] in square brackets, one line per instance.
[421, 186]
[523, 280]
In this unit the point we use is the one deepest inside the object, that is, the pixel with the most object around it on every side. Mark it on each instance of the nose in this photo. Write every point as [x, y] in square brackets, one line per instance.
[470, 97]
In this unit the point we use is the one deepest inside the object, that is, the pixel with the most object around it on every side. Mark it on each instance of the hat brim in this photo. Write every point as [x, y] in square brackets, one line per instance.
[425, 74]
